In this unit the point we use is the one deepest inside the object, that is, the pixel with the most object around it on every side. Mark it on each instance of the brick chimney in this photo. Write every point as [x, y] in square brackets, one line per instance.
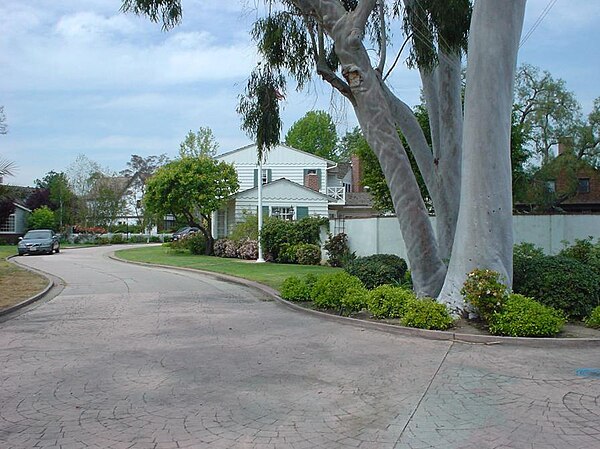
[565, 144]
[357, 185]
[311, 180]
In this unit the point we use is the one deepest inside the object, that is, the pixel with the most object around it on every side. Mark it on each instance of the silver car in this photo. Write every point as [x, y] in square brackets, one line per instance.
[39, 241]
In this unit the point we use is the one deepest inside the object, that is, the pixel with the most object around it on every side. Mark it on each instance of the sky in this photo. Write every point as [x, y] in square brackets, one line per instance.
[80, 77]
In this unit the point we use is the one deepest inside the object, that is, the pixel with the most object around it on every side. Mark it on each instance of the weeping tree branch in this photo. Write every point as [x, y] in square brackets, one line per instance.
[383, 38]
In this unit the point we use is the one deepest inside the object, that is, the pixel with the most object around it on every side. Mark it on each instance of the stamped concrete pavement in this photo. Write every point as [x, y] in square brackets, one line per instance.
[136, 357]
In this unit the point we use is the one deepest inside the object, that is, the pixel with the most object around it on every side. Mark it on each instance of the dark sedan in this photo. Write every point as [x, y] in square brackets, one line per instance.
[39, 241]
[184, 232]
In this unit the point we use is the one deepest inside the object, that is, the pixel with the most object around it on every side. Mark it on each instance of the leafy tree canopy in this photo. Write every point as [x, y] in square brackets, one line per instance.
[191, 189]
[42, 218]
[199, 143]
[314, 133]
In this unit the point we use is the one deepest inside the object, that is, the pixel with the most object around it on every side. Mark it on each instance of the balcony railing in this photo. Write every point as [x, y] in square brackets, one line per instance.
[338, 194]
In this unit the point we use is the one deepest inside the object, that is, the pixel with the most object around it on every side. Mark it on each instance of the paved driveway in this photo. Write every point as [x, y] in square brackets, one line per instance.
[135, 357]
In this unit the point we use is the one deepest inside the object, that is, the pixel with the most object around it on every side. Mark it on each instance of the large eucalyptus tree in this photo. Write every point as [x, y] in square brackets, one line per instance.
[466, 169]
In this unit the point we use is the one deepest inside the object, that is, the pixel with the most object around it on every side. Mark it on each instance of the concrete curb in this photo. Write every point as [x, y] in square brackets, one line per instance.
[390, 328]
[52, 283]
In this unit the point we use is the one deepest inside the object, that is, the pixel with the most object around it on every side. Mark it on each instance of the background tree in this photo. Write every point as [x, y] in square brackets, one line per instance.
[3, 126]
[191, 188]
[54, 191]
[42, 218]
[81, 174]
[199, 143]
[106, 200]
[314, 133]
[466, 169]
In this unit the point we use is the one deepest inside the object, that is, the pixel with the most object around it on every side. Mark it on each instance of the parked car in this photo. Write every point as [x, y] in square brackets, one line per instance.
[183, 232]
[39, 241]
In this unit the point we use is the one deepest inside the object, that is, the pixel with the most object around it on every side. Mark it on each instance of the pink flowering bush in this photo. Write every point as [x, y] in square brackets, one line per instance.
[248, 249]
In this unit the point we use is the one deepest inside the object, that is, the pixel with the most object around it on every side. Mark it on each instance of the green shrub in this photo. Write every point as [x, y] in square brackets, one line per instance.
[559, 282]
[386, 301]
[178, 246]
[278, 236]
[585, 251]
[593, 320]
[245, 229]
[524, 317]
[484, 291]
[329, 289]
[308, 254]
[195, 243]
[295, 289]
[287, 253]
[41, 218]
[426, 314]
[117, 239]
[378, 269]
[355, 300]
[338, 250]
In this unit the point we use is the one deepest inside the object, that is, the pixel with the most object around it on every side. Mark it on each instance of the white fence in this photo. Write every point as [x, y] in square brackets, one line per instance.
[375, 235]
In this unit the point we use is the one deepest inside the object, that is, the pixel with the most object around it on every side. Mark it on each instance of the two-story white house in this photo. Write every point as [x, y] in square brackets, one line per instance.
[296, 184]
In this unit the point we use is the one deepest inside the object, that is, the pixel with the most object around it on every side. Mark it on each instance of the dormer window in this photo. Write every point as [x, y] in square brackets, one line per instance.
[583, 185]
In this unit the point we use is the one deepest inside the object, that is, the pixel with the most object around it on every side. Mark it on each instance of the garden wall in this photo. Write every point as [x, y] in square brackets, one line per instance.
[375, 235]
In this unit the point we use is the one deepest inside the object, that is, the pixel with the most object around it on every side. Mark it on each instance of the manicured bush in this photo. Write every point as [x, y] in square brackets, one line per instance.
[338, 250]
[378, 269]
[329, 289]
[559, 282]
[308, 254]
[524, 317]
[485, 291]
[386, 301]
[295, 289]
[117, 239]
[278, 236]
[248, 250]
[426, 314]
[593, 320]
[355, 300]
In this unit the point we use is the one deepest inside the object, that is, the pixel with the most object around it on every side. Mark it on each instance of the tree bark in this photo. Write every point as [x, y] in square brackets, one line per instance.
[484, 236]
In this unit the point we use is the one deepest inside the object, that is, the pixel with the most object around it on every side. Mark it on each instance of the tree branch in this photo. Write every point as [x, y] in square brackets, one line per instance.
[383, 38]
[329, 75]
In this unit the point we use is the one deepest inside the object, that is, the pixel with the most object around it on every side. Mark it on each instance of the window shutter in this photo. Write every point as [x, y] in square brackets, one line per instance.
[301, 212]
[269, 175]
[319, 176]
[256, 177]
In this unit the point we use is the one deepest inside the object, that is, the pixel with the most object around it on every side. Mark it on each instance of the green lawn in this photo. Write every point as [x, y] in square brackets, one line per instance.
[271, 274]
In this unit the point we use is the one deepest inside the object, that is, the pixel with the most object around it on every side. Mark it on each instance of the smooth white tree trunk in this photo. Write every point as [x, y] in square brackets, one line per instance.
[484, 235]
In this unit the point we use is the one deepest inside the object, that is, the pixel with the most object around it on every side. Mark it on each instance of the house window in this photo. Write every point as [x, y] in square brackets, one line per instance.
[283, 213]
[267, 176]
[9, 224]
[221, 224]
[583, 185]
[551, 186]
[347, 187]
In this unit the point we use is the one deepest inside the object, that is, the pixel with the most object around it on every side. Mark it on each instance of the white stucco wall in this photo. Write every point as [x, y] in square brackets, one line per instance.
[375, 235]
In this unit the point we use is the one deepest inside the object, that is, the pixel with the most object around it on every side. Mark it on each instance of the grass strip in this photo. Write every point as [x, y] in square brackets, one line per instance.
[16, 283]
[271, 274]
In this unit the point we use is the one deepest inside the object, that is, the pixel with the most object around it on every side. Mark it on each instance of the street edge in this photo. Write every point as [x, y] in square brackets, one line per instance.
[385, 327]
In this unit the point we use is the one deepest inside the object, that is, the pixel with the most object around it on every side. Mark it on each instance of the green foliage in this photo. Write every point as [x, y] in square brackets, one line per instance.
[116, 239]
[524, 317]
[329, 289]
[585, 251]
[386, 301]
[355, 300]
[199, 144]
[191, 188]
[295, 289]
[42, 218]
[484, 290]
[245, 229]
[308, 254]
[593, 320]
[279, 237]
[559, 282]
[426, 314]
[338, 250]
[195, 243]
[314, 133]
[377, 269]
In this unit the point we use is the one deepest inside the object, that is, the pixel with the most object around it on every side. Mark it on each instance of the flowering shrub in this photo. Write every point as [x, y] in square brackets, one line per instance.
[219, 247]
[338, 250]
[484, 291]
[231, 249]
[248, 250]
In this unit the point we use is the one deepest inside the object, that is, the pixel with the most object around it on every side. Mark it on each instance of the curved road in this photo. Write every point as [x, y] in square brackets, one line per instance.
[136, 357]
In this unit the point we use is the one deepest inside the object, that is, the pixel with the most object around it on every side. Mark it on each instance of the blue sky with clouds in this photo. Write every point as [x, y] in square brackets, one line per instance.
[77, 76]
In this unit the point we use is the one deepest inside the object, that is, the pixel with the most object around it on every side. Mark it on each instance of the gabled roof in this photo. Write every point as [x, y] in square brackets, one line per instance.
[227, 153]
[284, 181]
[20, 206]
